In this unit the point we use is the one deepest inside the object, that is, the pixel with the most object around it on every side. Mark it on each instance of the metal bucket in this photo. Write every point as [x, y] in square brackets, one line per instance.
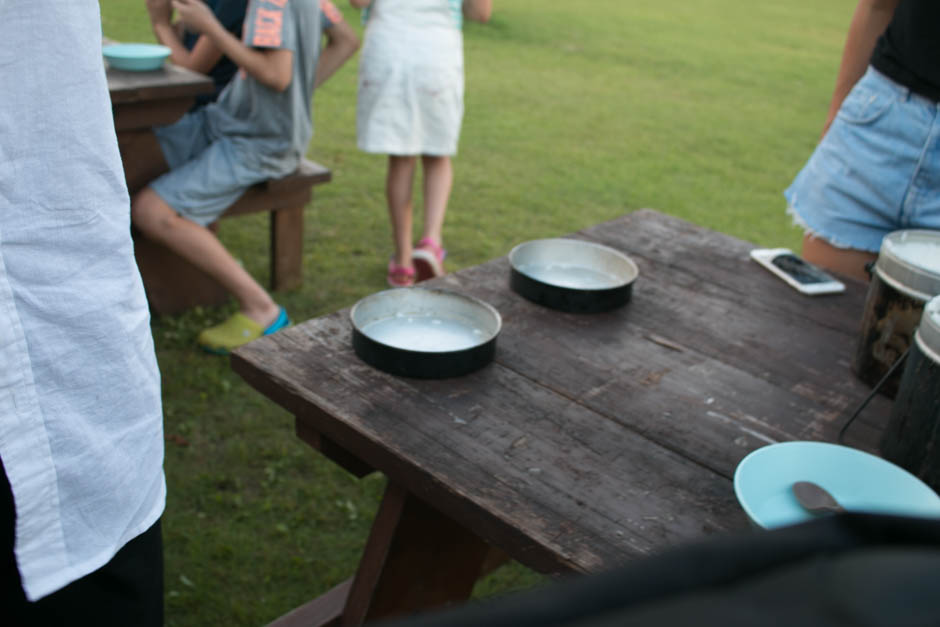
[906, 276]
[912, 439]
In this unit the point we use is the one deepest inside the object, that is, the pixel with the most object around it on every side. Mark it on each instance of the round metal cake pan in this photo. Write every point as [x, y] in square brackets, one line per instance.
[424, 332]
[572, 275]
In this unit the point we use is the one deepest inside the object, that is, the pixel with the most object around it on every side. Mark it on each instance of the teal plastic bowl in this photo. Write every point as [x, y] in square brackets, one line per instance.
[859, 481]
[136, 57]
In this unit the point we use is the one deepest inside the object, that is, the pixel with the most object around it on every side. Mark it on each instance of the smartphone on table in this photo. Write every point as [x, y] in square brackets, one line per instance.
[797, 272]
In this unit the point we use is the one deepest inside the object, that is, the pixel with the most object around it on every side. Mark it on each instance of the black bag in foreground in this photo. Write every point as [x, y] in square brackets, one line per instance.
[850, 569]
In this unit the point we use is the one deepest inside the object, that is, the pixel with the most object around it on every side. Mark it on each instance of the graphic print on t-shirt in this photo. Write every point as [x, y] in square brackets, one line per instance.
[268, 24]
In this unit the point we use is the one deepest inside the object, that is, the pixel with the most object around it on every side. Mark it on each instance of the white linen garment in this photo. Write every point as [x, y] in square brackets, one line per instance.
[81, 434]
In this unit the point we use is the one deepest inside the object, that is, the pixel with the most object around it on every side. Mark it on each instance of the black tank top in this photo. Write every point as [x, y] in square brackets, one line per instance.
[909, 49]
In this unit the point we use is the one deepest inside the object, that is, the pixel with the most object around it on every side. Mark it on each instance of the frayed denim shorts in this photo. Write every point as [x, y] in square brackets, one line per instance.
[209, 171]
[877, 170]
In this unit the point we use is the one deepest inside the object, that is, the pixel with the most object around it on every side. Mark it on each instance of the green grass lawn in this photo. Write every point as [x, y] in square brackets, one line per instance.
[576, 113]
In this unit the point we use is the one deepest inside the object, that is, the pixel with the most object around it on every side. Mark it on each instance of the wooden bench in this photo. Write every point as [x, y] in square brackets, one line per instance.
[174, 285]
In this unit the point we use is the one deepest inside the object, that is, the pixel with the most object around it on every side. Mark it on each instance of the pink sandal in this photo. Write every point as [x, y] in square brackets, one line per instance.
[428, 258]
[400, 276]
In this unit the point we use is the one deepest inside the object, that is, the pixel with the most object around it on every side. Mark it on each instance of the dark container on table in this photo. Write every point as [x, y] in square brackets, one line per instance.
[912, 439]
[905, 277]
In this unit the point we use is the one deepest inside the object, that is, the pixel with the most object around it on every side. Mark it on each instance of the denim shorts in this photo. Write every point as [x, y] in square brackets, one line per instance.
[208, 173]
[877, 170]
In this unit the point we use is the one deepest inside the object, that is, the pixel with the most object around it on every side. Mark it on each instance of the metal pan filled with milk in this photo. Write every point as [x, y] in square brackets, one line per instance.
[424, 332]
[572, 275]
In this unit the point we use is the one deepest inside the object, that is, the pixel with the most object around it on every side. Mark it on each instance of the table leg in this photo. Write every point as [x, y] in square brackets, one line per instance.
[416, 558]
[287, 248]
[142, 158]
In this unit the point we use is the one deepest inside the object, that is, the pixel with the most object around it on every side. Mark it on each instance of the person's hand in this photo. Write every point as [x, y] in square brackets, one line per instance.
[195, 15]
[160, 11]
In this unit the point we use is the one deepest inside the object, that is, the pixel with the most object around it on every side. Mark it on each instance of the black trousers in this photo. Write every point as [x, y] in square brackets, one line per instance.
[126, 591]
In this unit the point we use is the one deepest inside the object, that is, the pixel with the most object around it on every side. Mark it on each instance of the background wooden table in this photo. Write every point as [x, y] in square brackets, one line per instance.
[145, 99]
[142, 100]
[591, 439]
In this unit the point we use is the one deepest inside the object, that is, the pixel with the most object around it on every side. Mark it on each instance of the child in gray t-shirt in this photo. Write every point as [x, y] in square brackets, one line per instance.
[258, 129]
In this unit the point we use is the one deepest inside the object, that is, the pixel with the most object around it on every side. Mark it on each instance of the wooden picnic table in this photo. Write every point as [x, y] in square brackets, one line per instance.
[141, 100]
[592, 439]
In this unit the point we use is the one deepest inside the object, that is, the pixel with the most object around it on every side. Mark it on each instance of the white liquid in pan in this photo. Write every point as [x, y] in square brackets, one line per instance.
[565, 275]
[424, 333]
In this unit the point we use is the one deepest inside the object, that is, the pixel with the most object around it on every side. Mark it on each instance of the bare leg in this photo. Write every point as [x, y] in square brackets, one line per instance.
[398, 193]
[848, 261]
[160, 222]
[438, 179]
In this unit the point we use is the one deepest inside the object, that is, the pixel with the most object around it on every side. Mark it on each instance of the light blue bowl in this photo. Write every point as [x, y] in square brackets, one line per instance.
[135, 57]
[858, 480]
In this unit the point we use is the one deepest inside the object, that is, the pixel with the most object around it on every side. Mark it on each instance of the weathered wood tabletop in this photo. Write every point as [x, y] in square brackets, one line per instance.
[591, 439]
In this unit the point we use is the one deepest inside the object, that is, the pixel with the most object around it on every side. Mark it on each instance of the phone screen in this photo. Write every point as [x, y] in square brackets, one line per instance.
[801, 270]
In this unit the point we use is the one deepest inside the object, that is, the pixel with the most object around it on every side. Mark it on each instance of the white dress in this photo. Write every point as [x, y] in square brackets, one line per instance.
[410, 99]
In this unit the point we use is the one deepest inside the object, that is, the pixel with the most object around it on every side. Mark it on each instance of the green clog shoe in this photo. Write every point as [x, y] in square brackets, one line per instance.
[238, 329]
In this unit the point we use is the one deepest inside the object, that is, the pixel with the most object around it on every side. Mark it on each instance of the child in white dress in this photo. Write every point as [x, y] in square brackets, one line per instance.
[410, 104]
